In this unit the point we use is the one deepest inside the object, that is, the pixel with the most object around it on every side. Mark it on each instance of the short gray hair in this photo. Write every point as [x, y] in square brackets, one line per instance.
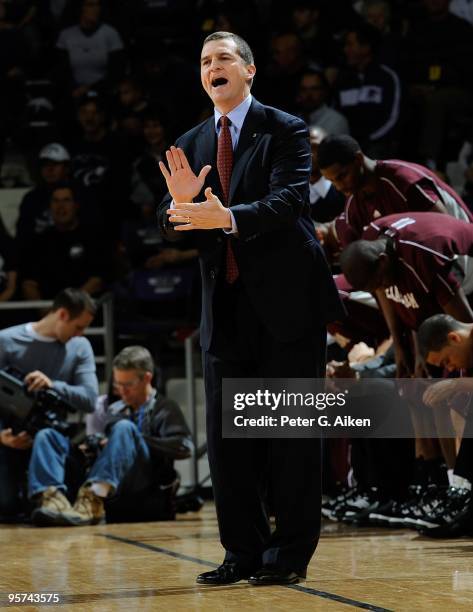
[134, 358]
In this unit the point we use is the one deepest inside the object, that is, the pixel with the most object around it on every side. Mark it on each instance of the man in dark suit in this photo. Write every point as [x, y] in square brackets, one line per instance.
[266, 292]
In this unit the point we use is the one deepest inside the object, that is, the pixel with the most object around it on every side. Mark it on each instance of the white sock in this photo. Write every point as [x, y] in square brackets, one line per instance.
[460, 483]
[101, 489]
[450, 477]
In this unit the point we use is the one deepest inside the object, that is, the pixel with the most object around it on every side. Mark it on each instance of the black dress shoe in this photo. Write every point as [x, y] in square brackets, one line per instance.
[273, 575]
[225, 574]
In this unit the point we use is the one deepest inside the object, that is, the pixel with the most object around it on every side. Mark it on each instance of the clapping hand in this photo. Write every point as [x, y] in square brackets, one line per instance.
[182, 183]
[210, 214]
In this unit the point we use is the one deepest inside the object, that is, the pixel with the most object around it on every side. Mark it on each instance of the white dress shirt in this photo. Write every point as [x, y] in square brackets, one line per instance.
[319, 189]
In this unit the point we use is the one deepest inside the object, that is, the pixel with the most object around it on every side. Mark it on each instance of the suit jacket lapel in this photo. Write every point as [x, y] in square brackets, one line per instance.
[207, 149]
[249, 137]
[207, 154]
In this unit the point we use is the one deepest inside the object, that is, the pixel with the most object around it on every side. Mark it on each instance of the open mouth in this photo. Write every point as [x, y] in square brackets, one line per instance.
[219, 81]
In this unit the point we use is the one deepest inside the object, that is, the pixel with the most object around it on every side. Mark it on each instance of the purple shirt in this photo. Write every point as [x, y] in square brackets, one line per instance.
[426, 246]
[402, 187]
[363, 323]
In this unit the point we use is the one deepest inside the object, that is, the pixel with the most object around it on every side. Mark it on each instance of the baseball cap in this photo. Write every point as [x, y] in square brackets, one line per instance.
[54, 152]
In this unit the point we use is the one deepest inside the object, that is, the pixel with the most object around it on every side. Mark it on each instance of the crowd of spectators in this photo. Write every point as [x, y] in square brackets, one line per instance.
[93, 92]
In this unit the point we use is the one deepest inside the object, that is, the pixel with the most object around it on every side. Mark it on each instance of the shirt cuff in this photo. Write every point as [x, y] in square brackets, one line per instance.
[234, 229]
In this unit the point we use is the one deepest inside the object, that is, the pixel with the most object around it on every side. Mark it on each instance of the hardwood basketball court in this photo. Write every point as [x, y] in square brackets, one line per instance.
[152, 566]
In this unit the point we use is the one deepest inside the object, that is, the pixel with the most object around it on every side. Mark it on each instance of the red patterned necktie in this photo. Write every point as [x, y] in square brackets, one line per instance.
[224, 167]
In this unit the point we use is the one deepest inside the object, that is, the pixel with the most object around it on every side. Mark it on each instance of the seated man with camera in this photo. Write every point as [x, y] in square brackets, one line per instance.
[57, 370]
[133, 477]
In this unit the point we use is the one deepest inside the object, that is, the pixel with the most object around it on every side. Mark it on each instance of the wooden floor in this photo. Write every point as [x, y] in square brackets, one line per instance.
[152, 566]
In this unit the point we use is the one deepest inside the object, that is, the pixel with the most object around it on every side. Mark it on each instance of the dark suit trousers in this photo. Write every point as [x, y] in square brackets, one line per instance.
[464, 462]
[242, 470]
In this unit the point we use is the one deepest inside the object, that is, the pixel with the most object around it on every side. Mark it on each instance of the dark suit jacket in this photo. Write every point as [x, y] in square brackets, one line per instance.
[280, 262]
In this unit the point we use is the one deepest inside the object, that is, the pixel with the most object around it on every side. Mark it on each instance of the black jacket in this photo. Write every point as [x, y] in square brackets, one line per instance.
[164, 427]
[371, 101]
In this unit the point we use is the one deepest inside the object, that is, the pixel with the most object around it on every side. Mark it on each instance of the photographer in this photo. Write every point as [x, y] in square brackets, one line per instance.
[54, 358]
[145, 433]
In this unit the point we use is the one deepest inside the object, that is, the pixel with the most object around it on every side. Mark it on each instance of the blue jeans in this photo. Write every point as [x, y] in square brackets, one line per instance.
[48, 461]
[125, 462]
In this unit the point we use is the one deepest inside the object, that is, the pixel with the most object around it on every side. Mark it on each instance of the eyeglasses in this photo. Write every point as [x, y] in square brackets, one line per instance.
[126, 385]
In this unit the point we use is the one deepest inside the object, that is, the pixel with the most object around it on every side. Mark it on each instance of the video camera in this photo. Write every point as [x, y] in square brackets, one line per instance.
[32, 411]
[91, 447]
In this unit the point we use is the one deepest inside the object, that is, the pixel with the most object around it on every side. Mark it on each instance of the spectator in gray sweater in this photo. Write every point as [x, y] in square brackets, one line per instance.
[50, 354]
